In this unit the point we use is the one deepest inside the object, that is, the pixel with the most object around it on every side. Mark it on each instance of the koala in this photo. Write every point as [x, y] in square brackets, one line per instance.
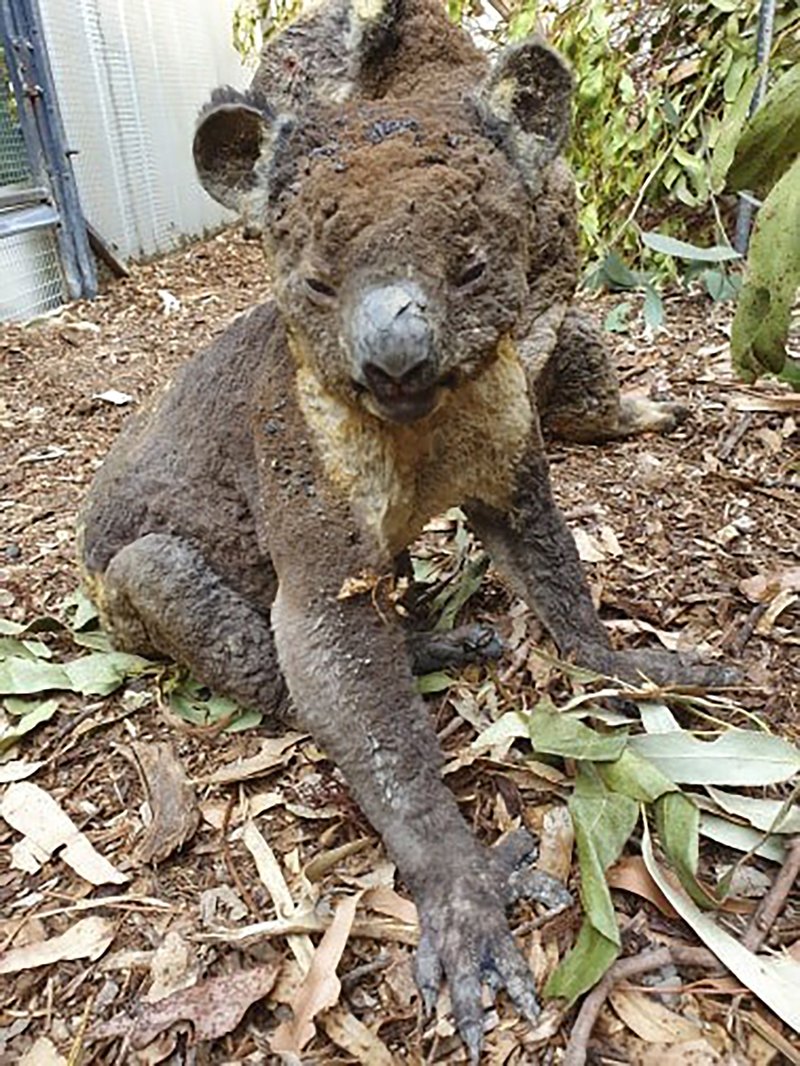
[419, 228]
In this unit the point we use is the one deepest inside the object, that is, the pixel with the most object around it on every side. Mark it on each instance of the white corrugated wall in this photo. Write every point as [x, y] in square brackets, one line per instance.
[131, 77]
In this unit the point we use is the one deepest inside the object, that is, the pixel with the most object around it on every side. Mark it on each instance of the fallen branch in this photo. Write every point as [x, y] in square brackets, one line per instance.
[648, 961]
[772, 903]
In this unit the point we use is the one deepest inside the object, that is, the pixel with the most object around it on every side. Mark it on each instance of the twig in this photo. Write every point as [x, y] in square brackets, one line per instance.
[732, 438]
[229, 863]
[576, 1052]
[665, 155]
[771, 905]
[748, 628]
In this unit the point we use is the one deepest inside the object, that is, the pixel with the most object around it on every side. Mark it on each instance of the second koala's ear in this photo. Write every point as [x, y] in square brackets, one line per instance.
[527, 100]
[232, 132]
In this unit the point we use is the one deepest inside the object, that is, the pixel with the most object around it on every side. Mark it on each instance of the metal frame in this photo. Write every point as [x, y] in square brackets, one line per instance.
[55, 201]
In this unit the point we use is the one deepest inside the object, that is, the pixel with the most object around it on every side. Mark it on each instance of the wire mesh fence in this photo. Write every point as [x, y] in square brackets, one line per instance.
[31, 279]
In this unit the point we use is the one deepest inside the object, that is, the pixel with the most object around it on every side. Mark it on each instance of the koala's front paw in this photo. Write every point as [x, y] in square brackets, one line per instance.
[456, 647]
[667, 668]
[465, 937]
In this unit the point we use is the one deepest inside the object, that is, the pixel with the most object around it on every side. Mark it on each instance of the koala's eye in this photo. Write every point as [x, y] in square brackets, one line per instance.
[320, 289]
[474, 272]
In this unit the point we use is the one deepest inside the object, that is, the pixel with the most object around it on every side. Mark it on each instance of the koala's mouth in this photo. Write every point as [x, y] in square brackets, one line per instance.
[403, 402]
[394, 402]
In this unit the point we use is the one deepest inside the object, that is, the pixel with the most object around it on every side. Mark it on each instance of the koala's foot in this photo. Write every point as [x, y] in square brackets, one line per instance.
[456, 647]
[660, 667]
[466, 940]
[637, 414]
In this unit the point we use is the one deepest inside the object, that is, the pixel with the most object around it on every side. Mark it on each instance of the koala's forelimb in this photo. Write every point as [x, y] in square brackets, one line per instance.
[531, 544]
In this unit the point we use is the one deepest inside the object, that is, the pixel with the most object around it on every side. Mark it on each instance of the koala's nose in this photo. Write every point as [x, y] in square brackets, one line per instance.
[393, 341]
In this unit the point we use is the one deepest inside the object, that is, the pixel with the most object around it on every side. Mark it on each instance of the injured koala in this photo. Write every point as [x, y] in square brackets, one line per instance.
[420, 231]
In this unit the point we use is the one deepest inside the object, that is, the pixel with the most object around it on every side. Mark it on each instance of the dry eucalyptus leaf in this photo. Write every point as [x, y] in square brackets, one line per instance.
[213, 1008]
[34, 813]
[556, 842]
[320, 988]
[172, 801]
[173, 967]
[651, 1020]
[42, 1053]
[86, 939]
[275, 751]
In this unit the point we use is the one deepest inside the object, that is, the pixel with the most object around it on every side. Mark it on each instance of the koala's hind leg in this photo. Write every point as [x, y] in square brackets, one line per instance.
[578, 391]
[160, 595]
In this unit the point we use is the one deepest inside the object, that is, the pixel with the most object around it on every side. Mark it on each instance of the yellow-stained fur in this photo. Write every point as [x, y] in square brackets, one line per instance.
[398, 477]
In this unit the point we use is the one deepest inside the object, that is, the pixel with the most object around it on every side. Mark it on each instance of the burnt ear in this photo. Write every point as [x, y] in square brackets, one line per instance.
[526, 100]
[232, 133]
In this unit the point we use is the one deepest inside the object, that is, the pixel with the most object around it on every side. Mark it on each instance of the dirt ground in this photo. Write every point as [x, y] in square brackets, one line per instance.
[682, 537]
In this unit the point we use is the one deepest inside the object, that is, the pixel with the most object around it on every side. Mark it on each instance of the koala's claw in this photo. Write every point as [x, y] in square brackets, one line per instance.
[660, 667]
[465, 937]
[515, 854]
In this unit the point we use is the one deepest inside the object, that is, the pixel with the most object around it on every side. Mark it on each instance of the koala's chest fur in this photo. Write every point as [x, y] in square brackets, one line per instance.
[396, 478]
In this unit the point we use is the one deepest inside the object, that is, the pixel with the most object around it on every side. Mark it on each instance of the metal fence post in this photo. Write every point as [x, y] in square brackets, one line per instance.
[32, 79]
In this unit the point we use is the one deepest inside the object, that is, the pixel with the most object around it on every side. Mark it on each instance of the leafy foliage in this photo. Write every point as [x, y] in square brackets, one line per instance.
[255, 21]
[656, 85]
[628, 772]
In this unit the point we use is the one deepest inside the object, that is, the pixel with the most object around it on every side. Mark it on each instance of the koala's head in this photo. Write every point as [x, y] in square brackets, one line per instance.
[398, 231]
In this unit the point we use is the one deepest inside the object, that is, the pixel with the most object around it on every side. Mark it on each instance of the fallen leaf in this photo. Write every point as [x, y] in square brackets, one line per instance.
[693, 1053]
[349, 1033]
[589, 546]
[272, 877]
[18, 770]
[785, 599]
[631, 875]
[172, 968]
[42, 1053]
[385, 900]
[651, 1020]
[172, 801]
[275, 751]
[213, 1007]
[86, 939]
[33, 812]
[762, 587]
[556, 841]
[114, 396]
[321, 987]
[774, 980]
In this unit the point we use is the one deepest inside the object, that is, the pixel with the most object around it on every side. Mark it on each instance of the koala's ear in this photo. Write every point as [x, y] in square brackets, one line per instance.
[526, 99]
[231, 134]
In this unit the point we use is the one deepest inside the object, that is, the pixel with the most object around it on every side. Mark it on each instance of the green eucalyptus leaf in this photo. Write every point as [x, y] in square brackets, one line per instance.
[23, 676]
[603, 822]
[100, 673]
[729, 133]
[660, 242]
[584, 965]
[737, 757]
[554, 733]
[678, 821]
[36, 713]
[636, 777]
[616, 320]
[438, 681]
